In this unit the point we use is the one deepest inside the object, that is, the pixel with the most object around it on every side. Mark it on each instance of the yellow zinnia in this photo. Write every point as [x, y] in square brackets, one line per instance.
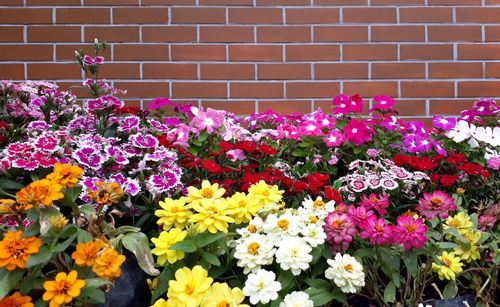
[207, 191]
[450, 267]
[189, 286]
[15, 250]
[469, 253]
[243, 207]
[460, 221]
[108, 264]
[170, 303]
[212, 215]
[173, 213]
[222, 295]
[66, 175]
[40, 192]
[266, 194]
[163, 243]
[64, 289]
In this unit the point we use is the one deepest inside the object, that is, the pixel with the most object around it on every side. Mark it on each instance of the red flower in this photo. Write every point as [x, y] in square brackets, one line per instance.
[457, 158]
[332, 194]
[266, 149]
[448, 180]
[3, 124]
[211, 166]
[471, 168]
[129, 110]
[225, 145]
[400, 160]
[246, 146]
[434, 177]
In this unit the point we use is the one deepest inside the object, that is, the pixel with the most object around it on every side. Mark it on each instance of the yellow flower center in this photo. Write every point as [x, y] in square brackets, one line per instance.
[16, 248]
[411, 228]
[253, 248]
[313, 219]
[251, 228]
[222, 304]
[207, 192]
[242, 203]
[318, 204]
[189, 289]
[435, 202]
[283, 224]
[379, 228]
[447, 262]
[338, 223]
[213, 210]
[453, 223]
[266, 193]
[348, 267]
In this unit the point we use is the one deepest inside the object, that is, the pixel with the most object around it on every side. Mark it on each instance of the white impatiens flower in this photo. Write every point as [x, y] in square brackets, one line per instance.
[253, 252]
[463, 131]
[488, 135]
[294, 254]
[318, 205]
[313, 234]
[297, 299]
[346, 272]
[283, 226]
[262, 286]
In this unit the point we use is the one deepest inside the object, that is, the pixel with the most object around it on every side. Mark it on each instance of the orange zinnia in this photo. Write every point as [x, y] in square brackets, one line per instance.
[64, 289]
[66, 175]
[107, 265]
[16, 300]
[106, 194]
[15, 250]
[40, 192]
[86, 253]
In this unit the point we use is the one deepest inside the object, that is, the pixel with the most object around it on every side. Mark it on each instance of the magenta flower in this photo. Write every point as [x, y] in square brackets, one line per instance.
[444, 123]
[360, 215]
[209, 120]
[487, 222]
[346, 104]
[410, 232]
[334, 138]
[88, 60]
[493, 162]
[376, 202]
[339, 230]
[438, 203]
[382, 103]
[310, 128]
[143, 141]
[377, 231]
[357, 132]
[159, 103]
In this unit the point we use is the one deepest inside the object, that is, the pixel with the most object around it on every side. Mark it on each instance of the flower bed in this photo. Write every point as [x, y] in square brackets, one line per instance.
[280, 210]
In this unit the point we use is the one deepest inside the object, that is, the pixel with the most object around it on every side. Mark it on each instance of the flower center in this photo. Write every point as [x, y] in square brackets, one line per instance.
[253, 248]
[242, 204]
[16, 248]
[338, 223]
[222, 304]
[189, 289]
[207, 192]
[313, 219]
[251, 228]
[435, 202]
[318, 204]
[379, 228]
[348, 267]
[447, 262]
[283, 224]
[411, 228]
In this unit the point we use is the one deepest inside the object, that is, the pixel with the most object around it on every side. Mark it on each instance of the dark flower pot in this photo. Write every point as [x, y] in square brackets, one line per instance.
[457, 301]
[131, 288]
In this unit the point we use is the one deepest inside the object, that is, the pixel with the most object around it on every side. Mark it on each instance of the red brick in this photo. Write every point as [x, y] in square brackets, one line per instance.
[492, 70]
[479, 52]
[198, 15]
[198, 52]
[75, 87]
[226, 2]
[341, 34]
[26, 52]
[54, 34]
[52, 2]
[26, 15]
[398, 70]
[398, 34]
[112, 34]
[372, 88]
[492, 2]
[83, 15]
[256, 90]
[12, 2]
[283, 2]
[228, 71]
[238, 107]
[255, 15]
[120, 71]
[109, 2]
[178, 34]
[199, 89]
[169, 71]
[426, 52]
[411, 107]
[313, 89]
[11, 34]
[454, 33]
[258, 53]
[340, 2]
[284, 71]
[53, 71]
[312, 52]
[286, 106]
[144, 89]
[226, 34]
[455, 70]
[492, 33]
[312, 16]
[141, 52]
[369, 15]
[341, 71]
[369, 52]
[449, 106]
[397, 2]
[454, 2]
[67, 52]
[140, 15]
[168, 2]
[478, 14]
[426, 14]
[479, 88]
[12, 72]
[427, 89]
[285, 34]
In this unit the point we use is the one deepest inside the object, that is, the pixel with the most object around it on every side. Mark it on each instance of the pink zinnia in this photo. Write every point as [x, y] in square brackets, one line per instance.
[357, 132]
[334, 138]
[377, 231]
[377, 202]
[339, 230]
[410, 232]
[360, 215]
[438, 203]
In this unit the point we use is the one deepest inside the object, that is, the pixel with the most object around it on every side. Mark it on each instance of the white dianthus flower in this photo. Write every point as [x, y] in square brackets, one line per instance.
[294, 254]
[313, 234]
[297, 299]
[346, 272]
[253, 252]
[261, 286]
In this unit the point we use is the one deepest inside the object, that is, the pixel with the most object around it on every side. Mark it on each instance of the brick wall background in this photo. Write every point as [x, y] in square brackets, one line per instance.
[245, 55]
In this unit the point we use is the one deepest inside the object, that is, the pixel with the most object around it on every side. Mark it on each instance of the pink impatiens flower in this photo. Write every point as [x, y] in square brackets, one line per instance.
[382, 103]
[209, 120]
[438, 203]
[346, 104]
[334, 138]
[444, 123]
[357, 132]
[410, 232]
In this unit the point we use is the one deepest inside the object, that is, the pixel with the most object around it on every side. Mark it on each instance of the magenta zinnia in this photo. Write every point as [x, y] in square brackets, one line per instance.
[409, 232]
[376, 202]
[377, 231]
[438, 203]
[339, 230]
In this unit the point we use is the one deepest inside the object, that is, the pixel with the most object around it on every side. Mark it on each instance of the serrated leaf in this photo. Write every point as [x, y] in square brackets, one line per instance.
[390, 293]
[187, 246]
[207, 238]
[8, 280]
[138, 244]
[211, 258]
[43, 255]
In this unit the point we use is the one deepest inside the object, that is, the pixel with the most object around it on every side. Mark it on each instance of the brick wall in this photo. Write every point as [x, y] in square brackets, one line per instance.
[245, 55]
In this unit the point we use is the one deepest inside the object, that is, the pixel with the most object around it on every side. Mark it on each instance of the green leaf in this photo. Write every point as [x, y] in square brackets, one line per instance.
[211, 258]
[203, 136]
[8, 280]
[364, 252]
[83, 236]
[316, 253]
[138, 244]
[206, 238]
[450, 290]
[43, 255]
[10, 184]
[318, 283]
[32, 230]
[285, 278]
[456, 234]
[390, 293]
[410, 261]
[94, 295]
[187, 246]
[447, 245]
[162, 287]
[31, 283]
[95, 283]
[299, 153]
[64, 245]
[68, 230]
[320, 296]
[87, 210]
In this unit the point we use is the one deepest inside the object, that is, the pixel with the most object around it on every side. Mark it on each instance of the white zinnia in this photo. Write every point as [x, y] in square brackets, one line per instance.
[313, 234]
[283, 226]
[297, 299]
[294, 255]
[253, 252]
[261, 286]
[346, 272]
[318, 204]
